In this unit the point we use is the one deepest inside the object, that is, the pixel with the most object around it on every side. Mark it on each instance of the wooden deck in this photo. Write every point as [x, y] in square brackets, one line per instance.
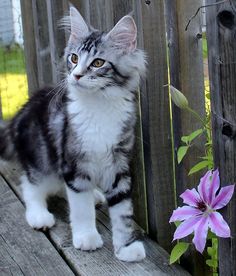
[24, 251]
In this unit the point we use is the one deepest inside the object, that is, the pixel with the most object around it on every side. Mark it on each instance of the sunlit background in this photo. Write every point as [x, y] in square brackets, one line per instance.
[13, 80]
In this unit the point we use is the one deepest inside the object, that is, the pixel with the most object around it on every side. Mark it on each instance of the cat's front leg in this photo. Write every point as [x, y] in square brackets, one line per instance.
[127, 247]
[82, 217]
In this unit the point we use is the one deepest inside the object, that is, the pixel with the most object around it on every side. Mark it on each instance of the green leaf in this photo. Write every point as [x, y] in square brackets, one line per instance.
[181, 153]
[177, 223]
[199, 166]
[185, 139]
[208, 158]
[210, 251]
[212, 263]
[191, 136]
[195, 134]
[211, 235]
[178, 251]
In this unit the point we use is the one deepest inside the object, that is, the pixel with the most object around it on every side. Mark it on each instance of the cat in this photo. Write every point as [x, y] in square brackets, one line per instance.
[80, 134]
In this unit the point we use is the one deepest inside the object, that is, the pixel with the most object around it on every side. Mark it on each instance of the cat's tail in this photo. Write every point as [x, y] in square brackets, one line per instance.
[6, 145]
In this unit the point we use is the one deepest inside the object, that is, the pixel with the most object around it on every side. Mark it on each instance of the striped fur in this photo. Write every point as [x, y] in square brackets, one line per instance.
[79, 136]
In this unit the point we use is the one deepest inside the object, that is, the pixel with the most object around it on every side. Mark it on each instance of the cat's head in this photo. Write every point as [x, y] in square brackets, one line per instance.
[98, 60]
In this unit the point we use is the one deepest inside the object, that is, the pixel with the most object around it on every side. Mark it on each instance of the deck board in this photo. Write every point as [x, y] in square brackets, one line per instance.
[101, 261]
[24, 251]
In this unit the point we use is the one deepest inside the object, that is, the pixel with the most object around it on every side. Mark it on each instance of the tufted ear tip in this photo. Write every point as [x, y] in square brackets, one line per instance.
[124, 34]
[79, 27]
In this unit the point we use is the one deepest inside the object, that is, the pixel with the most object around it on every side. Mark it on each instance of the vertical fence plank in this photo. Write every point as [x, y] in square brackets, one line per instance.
[186, 74]
[57, 37]
[156, 122]
[41, 34]
[191, 79]
[101, 16]
[29, 46]
[44, 42]
[221, 30]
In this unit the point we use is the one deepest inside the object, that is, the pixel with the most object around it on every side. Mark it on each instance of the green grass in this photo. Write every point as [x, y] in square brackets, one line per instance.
[13, 80]
[204, 45]
[12, 60]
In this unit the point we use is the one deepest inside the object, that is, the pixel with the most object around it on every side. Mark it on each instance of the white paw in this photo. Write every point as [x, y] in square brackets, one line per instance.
[41, 219]
[87, 241]
[99, 198]
[134, 252]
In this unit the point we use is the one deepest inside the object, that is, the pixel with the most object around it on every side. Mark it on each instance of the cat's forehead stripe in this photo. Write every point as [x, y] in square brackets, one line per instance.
[91, 41]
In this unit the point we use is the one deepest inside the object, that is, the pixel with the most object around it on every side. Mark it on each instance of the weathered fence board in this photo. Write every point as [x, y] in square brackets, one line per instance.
[221, 30]
[29, 44]
[57, 36]
[191, 83]
[156, 123]
[44, 41]
[186, 74]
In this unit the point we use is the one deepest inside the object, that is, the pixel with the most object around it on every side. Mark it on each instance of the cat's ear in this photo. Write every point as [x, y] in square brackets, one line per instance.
[124, 34]
[79, 28]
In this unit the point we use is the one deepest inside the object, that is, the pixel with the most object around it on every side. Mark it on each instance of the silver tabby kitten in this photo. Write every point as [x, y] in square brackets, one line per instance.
[86, 141]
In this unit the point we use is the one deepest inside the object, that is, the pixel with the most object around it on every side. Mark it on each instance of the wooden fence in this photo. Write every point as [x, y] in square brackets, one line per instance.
[174, 55]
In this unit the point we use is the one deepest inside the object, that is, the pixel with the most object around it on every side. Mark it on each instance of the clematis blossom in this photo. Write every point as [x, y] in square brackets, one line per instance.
[200, 213]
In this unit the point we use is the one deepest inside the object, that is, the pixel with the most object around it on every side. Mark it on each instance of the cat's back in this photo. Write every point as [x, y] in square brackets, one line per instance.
[38, 109]
[32, 131]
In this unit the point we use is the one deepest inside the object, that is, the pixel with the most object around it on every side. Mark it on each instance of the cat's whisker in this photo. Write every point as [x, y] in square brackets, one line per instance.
[58, 90]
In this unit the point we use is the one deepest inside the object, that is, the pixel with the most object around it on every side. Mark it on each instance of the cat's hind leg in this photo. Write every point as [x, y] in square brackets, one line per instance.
[35, 195]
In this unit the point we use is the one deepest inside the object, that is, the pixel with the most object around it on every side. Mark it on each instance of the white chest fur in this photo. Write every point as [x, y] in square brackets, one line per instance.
[98, 121]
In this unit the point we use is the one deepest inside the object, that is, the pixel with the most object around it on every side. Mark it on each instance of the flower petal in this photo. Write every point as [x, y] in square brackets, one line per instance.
[191, 197]
[203, 187]
[200, 234]
[186, 228]
[214, 186]
[223, 198]
[218, 225]
[184, 213]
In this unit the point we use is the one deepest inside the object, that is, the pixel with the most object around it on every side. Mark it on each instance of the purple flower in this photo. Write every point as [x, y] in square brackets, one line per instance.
[201, 213]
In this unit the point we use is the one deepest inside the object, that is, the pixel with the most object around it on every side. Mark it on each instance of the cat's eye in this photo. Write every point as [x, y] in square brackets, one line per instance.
[98, 63]
[74, 58]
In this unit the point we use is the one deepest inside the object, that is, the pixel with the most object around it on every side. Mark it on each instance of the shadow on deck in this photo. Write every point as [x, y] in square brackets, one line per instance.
[24, 251]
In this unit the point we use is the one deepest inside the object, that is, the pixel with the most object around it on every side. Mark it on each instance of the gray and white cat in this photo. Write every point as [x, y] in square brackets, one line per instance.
[85, 141]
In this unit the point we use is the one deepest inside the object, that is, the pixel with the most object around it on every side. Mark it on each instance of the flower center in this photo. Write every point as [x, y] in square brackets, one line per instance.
[202, 206]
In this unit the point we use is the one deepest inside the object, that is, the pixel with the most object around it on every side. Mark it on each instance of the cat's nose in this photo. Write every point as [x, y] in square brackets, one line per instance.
[78, 76]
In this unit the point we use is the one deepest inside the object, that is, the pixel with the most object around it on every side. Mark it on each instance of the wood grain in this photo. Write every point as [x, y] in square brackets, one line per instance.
[24, 251]
[191, 80]
[186, 74]
[29, 46]
[221, 30]
[157, 139]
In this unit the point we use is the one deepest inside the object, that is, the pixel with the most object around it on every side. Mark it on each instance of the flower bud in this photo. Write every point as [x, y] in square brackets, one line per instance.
[178, 98]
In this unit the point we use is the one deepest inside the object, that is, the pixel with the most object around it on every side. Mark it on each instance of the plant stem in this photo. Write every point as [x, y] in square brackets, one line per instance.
[197, 116]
